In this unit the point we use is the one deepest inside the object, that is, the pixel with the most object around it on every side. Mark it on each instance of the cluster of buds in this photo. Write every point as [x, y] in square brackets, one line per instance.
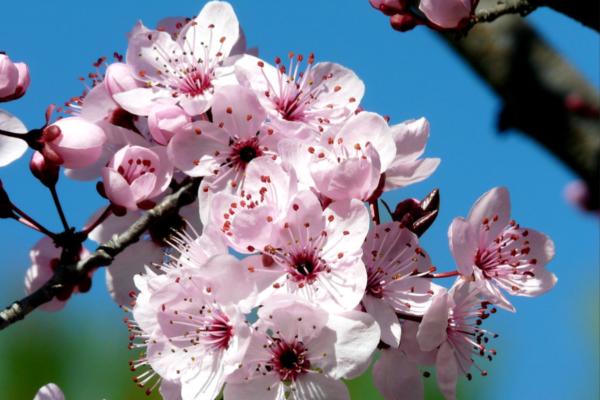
[405, 15]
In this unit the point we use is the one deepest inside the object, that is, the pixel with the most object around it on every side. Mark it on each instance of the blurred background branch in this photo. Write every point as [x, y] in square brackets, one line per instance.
[543, 96]
[585, 11]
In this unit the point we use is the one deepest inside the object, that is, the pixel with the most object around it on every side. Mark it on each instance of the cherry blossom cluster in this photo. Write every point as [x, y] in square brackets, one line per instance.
[439, 15]
[281, 280]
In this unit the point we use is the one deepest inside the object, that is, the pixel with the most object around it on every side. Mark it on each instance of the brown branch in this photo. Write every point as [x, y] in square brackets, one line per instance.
[103, 256]
[537, 87]
[520, 7]
[585, 11]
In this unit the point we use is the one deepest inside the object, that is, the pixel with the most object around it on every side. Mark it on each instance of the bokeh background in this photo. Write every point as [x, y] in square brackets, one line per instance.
[548, 349]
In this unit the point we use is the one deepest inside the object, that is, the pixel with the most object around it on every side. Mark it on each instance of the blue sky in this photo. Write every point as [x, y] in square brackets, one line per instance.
[548, 349]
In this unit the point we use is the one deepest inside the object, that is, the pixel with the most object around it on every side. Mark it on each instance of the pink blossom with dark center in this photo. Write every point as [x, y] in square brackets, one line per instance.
[192, 320]
[184, 70]
[490, 247]
[315, 253]
[248, 218]
[302, 102]
[396, 266]
[222, 150]
[299, 351]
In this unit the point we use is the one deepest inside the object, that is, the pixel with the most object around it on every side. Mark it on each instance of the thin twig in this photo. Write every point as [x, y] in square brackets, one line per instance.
[103, 256]
[26, 220]
[59, 208]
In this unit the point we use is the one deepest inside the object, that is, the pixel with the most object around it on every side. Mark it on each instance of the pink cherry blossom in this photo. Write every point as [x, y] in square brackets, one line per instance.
[199, 336]
[73, 142]
[407, 168]
[316, 253]
[120, 128]
[490, 247]
[50, 391]
[119, 77]
[220, 151]
[187, 70]
[45, 257]
[451, 327]
[449, 14]
[11, 149]
[300, 352]
[137, 175]
[352, 162]
[322, 95]
[14, 79]
[249, 217]
[395, 268]
[165, 121]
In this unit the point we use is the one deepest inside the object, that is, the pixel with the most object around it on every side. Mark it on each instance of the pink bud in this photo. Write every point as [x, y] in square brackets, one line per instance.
[448, 14]
[14, 79]
[389, 7]
[76, 142]
[120, 78]
[578, 194]
[136, 175]
[46, 172]
[404, 22]
[164, 121]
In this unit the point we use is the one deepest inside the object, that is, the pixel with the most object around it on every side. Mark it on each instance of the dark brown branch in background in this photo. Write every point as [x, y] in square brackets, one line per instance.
[520, 7]
[103, 255]
[543, 96]
[585, 11]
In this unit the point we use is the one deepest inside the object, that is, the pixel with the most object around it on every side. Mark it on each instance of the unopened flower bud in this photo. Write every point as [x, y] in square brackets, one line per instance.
[165, 120]
[448, 14]
[418, 215]
[73, 142]
[45, 171]
[389, 7]
[14, 79]
[404, 22]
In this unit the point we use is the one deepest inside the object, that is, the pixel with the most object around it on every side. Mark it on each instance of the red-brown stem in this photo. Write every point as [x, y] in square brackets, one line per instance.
[374, 205]
[59, 208]
[448, 274]
[105, 214]
[32, 223]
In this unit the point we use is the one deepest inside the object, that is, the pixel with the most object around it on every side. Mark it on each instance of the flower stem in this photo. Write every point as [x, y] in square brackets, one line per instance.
[374, 205]
[448, 274]
[59, 208]
[32, 223]
[105, 214]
